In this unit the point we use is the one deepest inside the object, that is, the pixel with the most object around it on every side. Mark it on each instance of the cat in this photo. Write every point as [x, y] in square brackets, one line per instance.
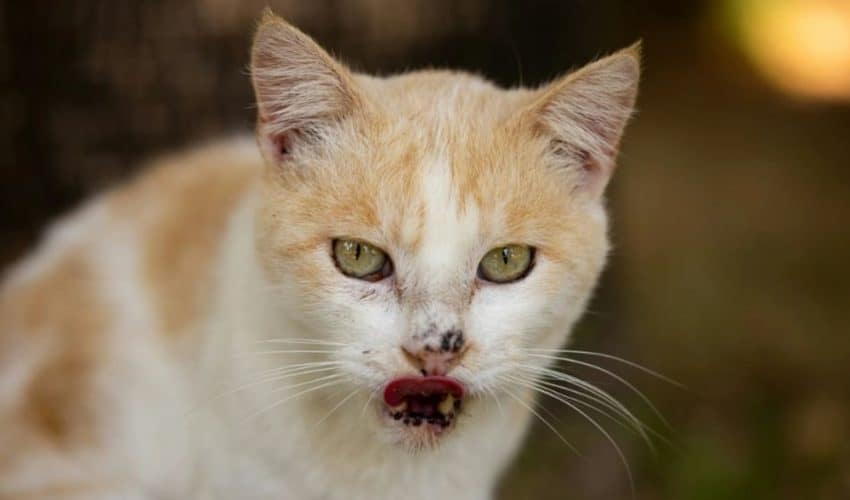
[347, 305]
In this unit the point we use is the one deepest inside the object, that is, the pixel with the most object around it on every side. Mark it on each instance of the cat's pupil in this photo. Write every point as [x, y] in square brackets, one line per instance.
[505, 255]
[357, 250]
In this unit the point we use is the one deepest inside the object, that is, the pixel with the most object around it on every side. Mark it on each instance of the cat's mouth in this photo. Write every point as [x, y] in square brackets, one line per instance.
[433, 401]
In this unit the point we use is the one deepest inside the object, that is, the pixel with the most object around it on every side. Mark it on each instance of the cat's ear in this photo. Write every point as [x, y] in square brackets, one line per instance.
[300, 89]
[583, 115]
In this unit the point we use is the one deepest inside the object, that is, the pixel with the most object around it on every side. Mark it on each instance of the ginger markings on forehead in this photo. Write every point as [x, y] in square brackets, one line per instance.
[434, 162]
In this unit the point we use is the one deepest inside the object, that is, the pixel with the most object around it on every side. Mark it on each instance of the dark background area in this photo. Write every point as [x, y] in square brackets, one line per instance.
[731, 204]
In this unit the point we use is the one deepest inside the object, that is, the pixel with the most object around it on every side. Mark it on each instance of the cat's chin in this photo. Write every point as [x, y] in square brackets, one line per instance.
[415, 438]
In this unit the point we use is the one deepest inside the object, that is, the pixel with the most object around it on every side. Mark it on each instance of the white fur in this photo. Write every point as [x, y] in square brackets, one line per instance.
[175, 436]
[183, 422]
[444, 222]
[344, 456]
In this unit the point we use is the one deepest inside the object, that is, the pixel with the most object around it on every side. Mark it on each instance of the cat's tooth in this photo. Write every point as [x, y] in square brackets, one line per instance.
[400, 408]
[446, 405]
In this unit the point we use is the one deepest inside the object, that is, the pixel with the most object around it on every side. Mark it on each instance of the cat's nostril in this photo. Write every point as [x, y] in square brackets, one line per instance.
[436, 358]
[452, 341]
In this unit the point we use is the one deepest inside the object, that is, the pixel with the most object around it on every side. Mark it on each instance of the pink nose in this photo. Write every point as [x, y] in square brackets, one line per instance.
[436, 357]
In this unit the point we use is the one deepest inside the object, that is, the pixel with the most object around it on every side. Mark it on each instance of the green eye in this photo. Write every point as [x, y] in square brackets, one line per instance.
[361, 260]
[506, 264]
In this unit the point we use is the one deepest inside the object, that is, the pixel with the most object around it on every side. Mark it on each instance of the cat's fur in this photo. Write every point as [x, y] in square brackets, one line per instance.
[124, 334]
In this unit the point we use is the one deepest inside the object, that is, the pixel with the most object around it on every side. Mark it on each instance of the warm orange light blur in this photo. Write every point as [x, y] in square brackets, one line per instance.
[802, 46]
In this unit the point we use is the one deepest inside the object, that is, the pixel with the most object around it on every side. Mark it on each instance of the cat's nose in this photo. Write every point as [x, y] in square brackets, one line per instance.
[436, 356]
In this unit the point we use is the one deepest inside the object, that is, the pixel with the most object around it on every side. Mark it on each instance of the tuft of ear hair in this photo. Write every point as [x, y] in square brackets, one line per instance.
[300, 89]
[584, 113]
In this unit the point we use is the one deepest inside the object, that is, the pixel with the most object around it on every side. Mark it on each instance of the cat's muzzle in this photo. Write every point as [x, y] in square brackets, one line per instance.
[431, 400]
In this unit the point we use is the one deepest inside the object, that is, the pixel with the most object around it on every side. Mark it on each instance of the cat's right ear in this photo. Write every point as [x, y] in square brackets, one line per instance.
[583, 115]
[300, 89]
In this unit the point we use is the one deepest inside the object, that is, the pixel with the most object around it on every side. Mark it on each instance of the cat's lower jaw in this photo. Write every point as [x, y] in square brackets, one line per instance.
[415, 437]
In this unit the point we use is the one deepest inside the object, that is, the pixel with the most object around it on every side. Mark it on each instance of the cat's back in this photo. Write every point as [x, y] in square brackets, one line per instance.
[107, 289]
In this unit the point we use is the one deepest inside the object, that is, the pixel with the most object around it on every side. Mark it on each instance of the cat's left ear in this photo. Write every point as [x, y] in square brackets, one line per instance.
[584, 113]
[301, 91]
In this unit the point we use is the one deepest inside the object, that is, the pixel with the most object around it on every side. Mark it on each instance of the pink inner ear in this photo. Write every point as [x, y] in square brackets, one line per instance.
[282, 145]
[277, 146]
[591, 166]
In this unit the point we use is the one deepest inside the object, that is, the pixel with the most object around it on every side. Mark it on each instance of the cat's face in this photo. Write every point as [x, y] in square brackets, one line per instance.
[427, 230]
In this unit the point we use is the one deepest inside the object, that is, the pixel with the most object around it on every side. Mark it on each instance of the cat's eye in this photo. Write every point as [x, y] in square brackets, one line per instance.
[361, 260]
[506, 264]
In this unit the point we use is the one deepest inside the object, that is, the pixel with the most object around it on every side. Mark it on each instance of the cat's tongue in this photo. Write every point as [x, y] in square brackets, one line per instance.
[416, 388]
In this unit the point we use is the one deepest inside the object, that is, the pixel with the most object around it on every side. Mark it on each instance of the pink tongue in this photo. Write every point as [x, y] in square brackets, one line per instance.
[399, 389]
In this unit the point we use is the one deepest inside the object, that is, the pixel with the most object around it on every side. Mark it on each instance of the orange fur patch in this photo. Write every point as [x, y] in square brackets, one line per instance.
[496, 162]
[62, 310]
[190, 198]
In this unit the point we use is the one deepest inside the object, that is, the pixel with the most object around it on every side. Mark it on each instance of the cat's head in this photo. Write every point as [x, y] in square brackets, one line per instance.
[425, 232]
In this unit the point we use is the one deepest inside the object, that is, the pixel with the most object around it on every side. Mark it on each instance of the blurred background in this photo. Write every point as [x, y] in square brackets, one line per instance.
[730, 272]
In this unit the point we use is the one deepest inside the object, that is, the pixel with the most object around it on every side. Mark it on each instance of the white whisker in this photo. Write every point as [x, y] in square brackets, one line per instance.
[618, 409]
[632, 364]
[612, 375]
[617, 415]
[594, 393]
[371, 396]
[587, 417]
[283, 351]
[570, 379]
[545, 422]
[355, 391]
[288, 398]
[300, 341]
[320, 379]
[305, 364]
[276, 377]
[495, 398]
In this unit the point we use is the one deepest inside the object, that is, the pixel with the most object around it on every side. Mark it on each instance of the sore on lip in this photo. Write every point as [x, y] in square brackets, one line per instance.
[432, 399]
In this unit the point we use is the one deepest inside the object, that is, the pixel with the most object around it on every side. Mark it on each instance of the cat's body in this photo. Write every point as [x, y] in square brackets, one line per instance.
[136, 343]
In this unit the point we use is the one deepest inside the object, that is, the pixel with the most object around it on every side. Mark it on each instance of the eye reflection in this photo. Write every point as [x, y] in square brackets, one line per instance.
[361, 260]
[506, 264]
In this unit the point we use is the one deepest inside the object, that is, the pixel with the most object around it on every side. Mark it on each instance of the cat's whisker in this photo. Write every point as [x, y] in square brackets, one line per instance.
[291, 397]
[539, 417]
[337, 406]
[369, 400]
[490, 392]
[613, 375]
[594, 394]
[283, 351]
[587, 417]
[606, 405]
[299, 365]
[268, 376]
[288, 368]
[625, 416]
[301, 341]
[275, 378]
[611, 357]
[307, 382]
[549, 413]
[622, 418]
[591, 389]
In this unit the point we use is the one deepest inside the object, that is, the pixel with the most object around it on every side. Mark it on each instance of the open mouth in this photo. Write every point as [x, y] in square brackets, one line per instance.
[431, 400]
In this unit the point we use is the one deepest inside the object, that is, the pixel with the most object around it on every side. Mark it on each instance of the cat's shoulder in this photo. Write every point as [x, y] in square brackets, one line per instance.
[133, 261]
[188, 189]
